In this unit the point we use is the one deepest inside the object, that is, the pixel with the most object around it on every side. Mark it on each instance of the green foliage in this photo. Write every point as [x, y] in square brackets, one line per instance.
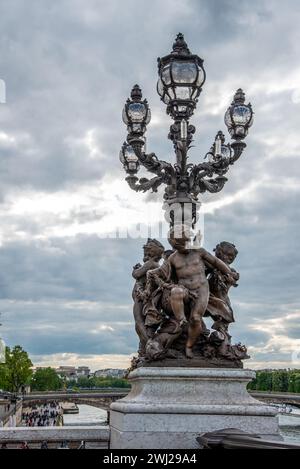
[16, 371]
[264, 381]
[276, 380]
[83, 382]
[94, 382]
[280, 381]
[294, 382]
[46, 379]
[252, 386]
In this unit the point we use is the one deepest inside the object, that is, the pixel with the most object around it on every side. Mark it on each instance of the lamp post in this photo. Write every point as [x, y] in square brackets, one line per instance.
[181, 77]
[187, 376]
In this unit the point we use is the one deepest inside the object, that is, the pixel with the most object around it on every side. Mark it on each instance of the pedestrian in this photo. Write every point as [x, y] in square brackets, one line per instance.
[24, 445]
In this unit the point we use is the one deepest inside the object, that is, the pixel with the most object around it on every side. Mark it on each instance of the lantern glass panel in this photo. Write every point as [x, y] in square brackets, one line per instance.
[184, 72]
[130, 155]
[227, 118]
[200, 79]
[241, 115]
[160, 87]
[182, 92]
[137, 112]
[121, 156]
[165, 74]
[124, 116]
[148, 116]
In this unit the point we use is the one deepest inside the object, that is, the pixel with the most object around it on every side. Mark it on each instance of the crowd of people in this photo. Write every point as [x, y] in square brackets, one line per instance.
[45, 415]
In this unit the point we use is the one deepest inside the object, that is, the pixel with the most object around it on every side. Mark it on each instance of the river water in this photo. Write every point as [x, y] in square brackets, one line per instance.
[88, 415]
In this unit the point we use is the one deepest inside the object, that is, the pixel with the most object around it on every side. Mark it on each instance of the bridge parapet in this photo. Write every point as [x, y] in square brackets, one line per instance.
[101, 400]
[94, 436]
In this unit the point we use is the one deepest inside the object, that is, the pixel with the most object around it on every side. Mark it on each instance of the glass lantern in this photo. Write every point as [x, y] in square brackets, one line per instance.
[136, 113]
[181, 76]
[239, 116]
[129, 159]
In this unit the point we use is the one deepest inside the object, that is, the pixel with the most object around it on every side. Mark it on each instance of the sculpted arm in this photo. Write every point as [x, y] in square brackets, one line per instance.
[217, 263]
[159, 276]
[140, 272]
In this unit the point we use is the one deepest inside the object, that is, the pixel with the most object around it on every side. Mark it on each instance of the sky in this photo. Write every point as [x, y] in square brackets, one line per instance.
[68, 67]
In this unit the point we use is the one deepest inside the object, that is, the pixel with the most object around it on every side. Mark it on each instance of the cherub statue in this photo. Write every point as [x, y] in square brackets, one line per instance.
[219, 306]
[192, 289]
[153, 251]
[182, 286]
[171, 299]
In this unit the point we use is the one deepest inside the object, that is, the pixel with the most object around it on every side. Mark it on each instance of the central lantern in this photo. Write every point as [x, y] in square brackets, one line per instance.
[181, 76]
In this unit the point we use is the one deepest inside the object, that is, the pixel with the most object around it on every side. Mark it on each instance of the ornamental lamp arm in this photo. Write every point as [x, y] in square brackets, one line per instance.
[238, 148]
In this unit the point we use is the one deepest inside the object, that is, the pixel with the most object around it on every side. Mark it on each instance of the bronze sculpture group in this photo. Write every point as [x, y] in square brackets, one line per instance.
[171, 301]
[176, 289]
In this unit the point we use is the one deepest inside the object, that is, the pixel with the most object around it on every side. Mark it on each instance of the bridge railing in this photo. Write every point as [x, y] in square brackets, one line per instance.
[93, 436]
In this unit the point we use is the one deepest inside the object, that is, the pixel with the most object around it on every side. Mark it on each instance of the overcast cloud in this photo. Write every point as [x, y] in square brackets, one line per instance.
[69, 65]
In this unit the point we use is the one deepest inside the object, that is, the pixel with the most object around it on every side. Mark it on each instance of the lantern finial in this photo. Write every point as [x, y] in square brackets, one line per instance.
[180, 46]
[136, 93]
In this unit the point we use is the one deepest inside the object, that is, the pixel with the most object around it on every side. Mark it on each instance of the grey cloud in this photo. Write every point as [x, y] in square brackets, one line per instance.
[69, 67]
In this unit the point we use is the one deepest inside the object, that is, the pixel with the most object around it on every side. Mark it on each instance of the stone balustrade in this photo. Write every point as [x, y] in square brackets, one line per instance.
[94, 436]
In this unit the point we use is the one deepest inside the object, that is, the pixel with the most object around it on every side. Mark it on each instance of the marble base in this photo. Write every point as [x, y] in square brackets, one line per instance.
[169, 407]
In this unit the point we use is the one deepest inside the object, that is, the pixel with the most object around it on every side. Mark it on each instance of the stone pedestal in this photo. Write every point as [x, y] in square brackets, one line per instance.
[169, 407]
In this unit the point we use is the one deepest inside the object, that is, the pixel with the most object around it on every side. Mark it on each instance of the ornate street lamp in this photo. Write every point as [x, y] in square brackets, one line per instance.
[129, 159]
[181, 77]
[136, 113]
[175, 290]
[239, 116]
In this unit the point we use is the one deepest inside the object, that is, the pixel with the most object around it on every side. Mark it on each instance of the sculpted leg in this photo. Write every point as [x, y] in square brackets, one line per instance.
[194, 331]
[140, 322]
[177, 303]
[195, 324]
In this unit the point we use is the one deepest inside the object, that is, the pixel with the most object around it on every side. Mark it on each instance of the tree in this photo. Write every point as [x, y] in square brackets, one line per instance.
[46, 379]
[252, 386]
[83, 382]
[16, 371]
[297, 382]
[264, 381]
[280, 381]
[294, 381]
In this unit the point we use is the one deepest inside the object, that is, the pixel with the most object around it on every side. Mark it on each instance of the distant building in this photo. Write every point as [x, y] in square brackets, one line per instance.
[83, 371]
[110, 373]
[72, 373]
